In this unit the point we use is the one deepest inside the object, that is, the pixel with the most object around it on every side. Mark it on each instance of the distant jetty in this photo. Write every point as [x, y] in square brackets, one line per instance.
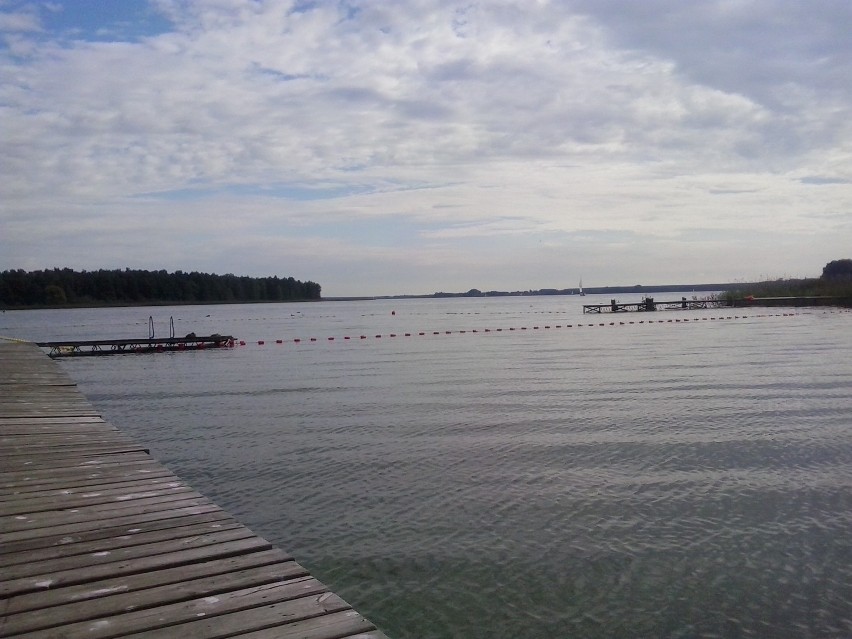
[94, 347]
[649, 305]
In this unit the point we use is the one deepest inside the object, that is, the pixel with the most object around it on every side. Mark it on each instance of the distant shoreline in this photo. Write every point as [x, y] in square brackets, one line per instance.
[723, 289]
[602, 290]
[594, 290]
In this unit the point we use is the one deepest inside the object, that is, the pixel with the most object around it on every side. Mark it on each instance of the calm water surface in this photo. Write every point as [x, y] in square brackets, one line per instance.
[683, 479]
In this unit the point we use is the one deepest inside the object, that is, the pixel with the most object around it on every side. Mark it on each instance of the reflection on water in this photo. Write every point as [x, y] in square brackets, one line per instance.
[634, 480]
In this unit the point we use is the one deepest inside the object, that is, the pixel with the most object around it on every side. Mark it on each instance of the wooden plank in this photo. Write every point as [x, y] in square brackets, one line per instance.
[258, 618]
[46, 379]
[81, 446]
[35, 427]
[76, 497]
[79, 433]
[346, 623]
[124, 601]
[43, 442]
[78, 462]
[84, 563]
[95, 515]
[28, 393]
[32, 410]
[44, 486]
[123, 496]
[161, 478]
[176, 510]
[4, 420]
[62, 578]
[54, 425]
[137, 584]
[52, 394]
[99, 539]
[72, 403]
[113, 471]
[17, 457]
[83, 465]
[212, 617]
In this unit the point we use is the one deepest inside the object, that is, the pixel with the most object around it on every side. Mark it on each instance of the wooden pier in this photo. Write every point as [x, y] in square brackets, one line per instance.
[648, 304]
[98, 540]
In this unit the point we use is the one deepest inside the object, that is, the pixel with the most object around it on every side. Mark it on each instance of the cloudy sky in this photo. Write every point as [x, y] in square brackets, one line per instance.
[384, 147]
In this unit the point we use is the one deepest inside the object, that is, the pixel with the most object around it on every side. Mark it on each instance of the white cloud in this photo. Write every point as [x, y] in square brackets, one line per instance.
[532, 123]
[19, 21]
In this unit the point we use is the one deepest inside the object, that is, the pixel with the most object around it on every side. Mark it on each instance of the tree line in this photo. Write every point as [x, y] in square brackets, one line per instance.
[66, 287]
[835, 281]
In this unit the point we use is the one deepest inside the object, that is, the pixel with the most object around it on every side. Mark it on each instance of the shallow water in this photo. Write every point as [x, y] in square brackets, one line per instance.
[665, 479]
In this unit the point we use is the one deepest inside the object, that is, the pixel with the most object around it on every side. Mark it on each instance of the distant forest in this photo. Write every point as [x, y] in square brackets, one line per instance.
[835, 281]
[66, 287]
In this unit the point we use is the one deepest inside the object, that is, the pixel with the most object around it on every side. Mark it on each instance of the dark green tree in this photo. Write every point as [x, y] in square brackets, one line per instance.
[838, 270]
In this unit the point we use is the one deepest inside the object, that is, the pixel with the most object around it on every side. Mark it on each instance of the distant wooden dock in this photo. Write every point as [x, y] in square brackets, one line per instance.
[77, 348]
[98, 540]
[648, 304]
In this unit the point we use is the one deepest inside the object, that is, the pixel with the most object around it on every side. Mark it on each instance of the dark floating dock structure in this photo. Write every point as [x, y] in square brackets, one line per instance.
[150, 344]
[78, 348]
[648, 304]
[98, 540]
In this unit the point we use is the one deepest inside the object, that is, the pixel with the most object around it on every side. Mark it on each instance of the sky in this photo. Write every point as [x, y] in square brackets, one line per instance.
[409, 147]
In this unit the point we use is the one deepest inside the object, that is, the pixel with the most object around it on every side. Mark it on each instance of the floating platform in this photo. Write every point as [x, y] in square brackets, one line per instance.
[648, 304]
[98, 540]
[78, 348]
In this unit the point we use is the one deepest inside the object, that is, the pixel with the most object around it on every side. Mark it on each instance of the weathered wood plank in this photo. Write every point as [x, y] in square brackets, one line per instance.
[97, 515]
[346, 623]
[86, 562]
[47, 408]
[76, 434]
[48, 421]
[175, 511]
[69, 545]
[84, 486]
[258, 618]
[34, 409]
[297, 598]
[81, 462]
[57, 543]
[122, 496]
[124, 602]
[184, 590]
[24, 457]
[37, 391]
[45, 444]
[26, 482]
[62, 578]
[136, 584]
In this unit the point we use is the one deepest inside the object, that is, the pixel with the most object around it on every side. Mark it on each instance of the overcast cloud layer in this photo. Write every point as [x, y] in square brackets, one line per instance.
[424, 145]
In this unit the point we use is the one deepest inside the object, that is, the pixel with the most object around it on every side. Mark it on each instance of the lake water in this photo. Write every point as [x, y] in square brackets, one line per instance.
[641, 479]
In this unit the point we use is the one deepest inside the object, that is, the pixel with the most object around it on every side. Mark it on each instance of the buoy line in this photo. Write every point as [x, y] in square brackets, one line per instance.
[545, 327]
